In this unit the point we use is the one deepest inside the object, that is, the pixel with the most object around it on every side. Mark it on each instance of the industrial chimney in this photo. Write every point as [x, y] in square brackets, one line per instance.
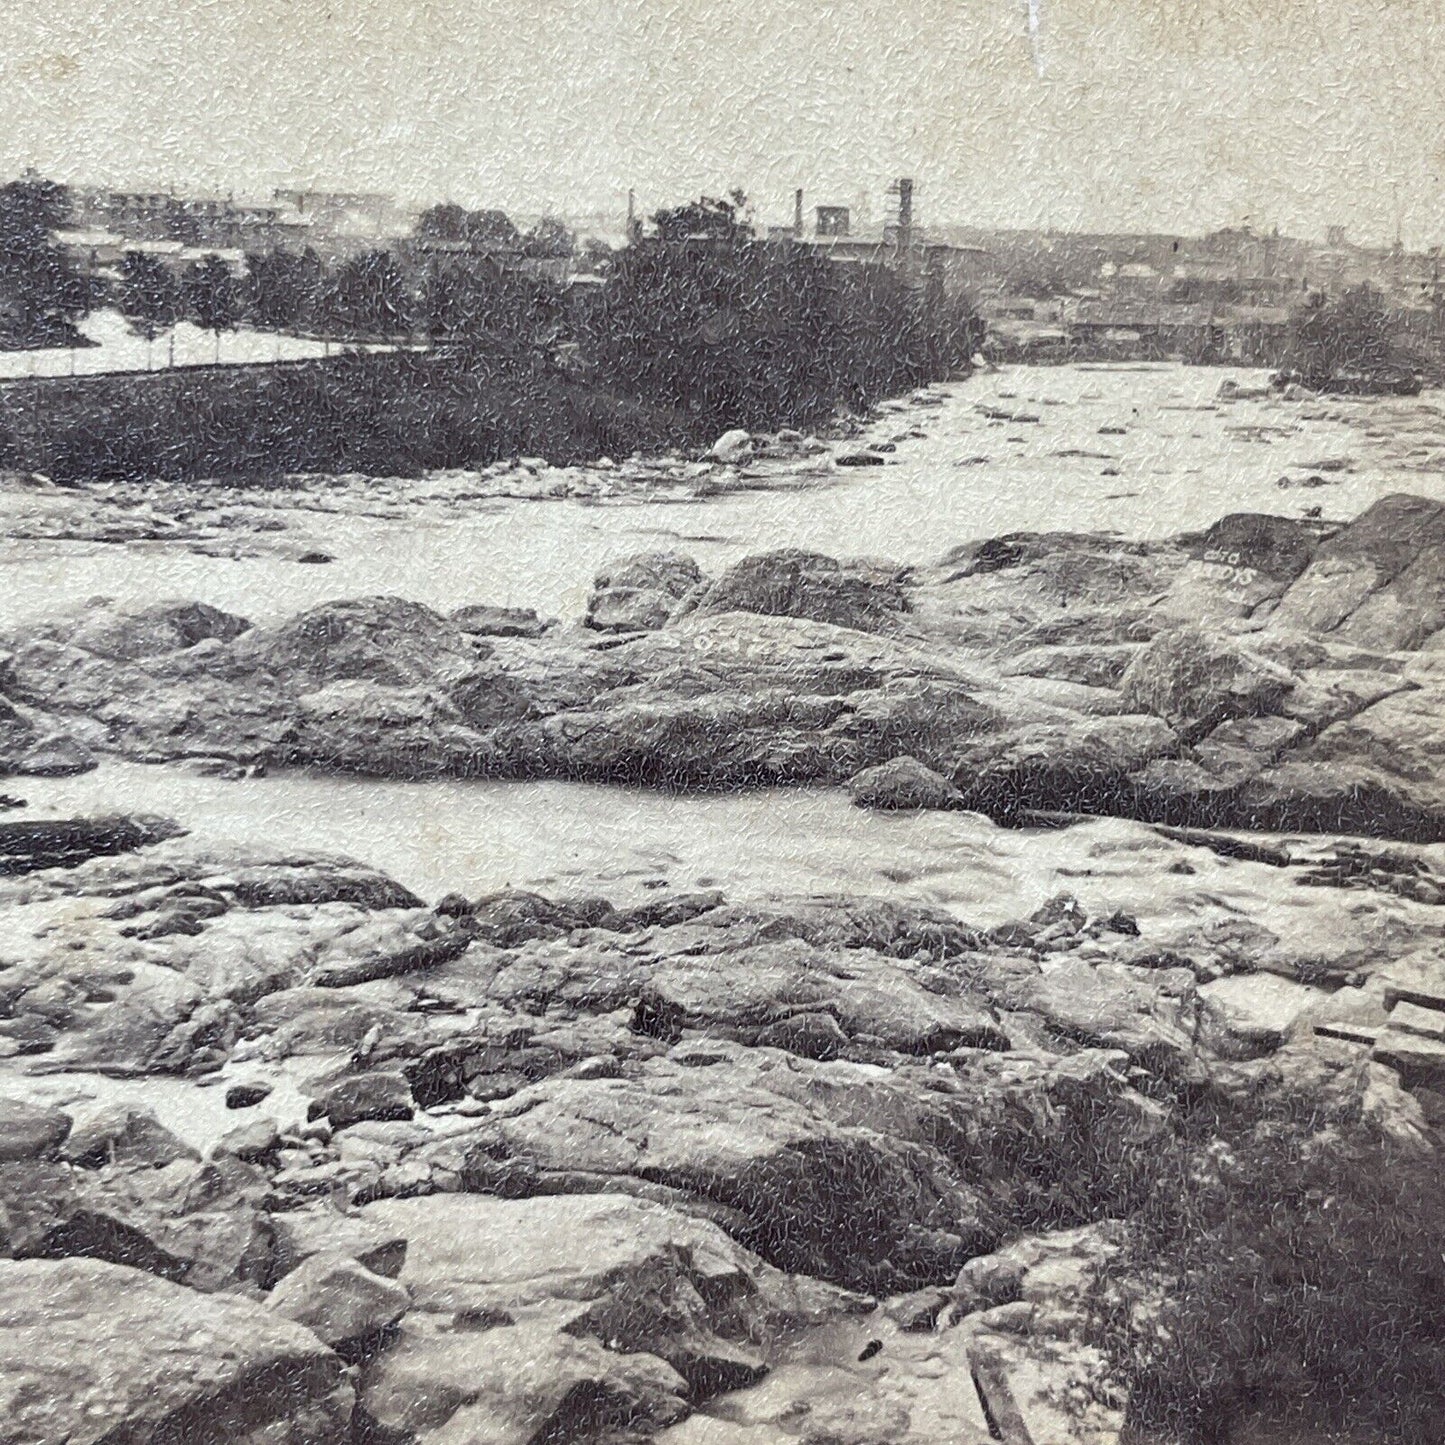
[798, 214]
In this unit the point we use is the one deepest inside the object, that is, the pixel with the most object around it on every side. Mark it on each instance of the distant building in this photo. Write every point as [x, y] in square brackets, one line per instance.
[214, 223]
[832, 221]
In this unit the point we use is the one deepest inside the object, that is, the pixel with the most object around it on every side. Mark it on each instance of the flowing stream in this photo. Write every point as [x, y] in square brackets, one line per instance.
[1143, 451]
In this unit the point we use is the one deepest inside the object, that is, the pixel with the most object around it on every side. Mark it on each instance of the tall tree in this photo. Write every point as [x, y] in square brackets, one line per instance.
[150, 295]
[451, 222]
[1349, 333]
[456, 301]
[213, 297]
[749, 334]
[369, 296]
[708, 216]
[42, 293]
[283, 288]
[550, 239]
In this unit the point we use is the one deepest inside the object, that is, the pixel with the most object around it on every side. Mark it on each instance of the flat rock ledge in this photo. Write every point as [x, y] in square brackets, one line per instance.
[1267, 673]
[287, 1155]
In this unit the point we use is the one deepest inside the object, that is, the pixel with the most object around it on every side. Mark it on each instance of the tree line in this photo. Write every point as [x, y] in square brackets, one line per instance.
[700, 316]
[703, 316]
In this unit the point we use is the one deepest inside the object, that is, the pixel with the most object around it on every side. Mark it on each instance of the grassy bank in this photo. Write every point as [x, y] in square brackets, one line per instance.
[387, 413]
[1285, 1283]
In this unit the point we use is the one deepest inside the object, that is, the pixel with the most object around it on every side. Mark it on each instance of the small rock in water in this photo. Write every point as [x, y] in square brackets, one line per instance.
[732, 447]
[316, 558]
[380, 1096]
[246, 1096]
[254, 1143]
[454, 905]
[9, 800]
[918, 1311]
[483, 620]
[902, 782]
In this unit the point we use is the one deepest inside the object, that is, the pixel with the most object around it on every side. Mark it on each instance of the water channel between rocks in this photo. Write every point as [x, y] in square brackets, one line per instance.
[1142, 451]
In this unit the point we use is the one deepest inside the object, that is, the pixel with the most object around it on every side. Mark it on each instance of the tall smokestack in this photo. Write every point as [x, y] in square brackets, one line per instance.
[905, 216]
[798, 214]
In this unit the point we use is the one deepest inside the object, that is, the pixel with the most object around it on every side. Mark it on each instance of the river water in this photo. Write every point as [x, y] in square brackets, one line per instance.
[1143, 451]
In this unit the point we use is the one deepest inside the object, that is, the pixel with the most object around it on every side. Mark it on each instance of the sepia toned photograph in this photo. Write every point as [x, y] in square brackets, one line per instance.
[719, 723]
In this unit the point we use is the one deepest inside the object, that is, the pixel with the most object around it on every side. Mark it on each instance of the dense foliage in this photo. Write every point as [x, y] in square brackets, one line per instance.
[150, 294]
[1350, 333]
[379, 413]
[42, 294]
[451, 222]
[754, 335]
[1289, 1278]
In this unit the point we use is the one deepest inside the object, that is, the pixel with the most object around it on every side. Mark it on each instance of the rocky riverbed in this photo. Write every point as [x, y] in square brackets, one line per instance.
[1263, 673]
[748, 1140]
[285, 1146]
[290, 1153]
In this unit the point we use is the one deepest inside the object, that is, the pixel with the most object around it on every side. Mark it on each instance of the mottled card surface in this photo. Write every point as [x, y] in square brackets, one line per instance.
[720, 724]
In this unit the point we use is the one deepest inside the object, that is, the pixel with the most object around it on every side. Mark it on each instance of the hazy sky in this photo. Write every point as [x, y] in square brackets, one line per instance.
[1127, 114]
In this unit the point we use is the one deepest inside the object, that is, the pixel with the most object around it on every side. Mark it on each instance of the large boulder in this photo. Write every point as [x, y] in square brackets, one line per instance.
[744, 698]
[28, 845]
[1195, 680]
[384, 640]
[30, 1131]
[1082, 765]
[902, 783]
[517, 1383]
[192, 1223]
[32, 746]
[639, 593]
[369, 728]
[743, 992]
[733, 447]
[110, 630]
[628, 609]
[674, 574]
[569, 1316]
[1397, 545]
[1254, 542]
[93, 1352]
[123, 1134]
[339, 1300]
[868, 596]
[303, 1233]
[483, 619]
[383, 1095]
[873, 1178]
